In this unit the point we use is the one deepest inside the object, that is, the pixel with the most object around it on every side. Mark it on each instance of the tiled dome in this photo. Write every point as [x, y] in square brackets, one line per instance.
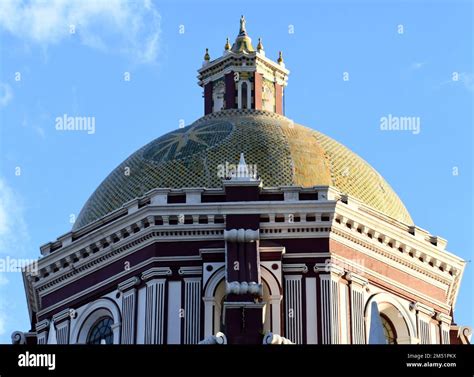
[285, 154]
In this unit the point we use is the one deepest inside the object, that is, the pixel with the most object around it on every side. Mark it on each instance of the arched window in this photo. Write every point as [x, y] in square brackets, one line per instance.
[389, 330]
[244, 99]
[101, 332]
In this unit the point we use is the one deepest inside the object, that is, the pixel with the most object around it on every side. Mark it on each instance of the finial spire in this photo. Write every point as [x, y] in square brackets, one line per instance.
[227, 45]
[243, 43]
[207, 56]
[280, 57]
[260, 45]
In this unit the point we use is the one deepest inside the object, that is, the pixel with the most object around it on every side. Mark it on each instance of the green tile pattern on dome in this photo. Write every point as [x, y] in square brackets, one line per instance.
[285, 154]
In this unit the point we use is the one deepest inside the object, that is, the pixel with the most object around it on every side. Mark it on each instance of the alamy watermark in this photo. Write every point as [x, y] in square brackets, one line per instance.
[397, 123]
[237, 171]
[17, 265]
[77, 123]
[356, 265]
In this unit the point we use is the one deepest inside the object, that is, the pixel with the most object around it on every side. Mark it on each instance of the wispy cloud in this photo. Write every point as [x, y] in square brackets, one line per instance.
[417, 65]
[127, 27]
[468, 80]
[6, 94]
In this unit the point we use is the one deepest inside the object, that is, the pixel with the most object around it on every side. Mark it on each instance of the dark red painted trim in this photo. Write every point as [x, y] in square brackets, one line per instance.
[278, 99]
[242, 194]
[208, 98]
[243, 222]
[230, 91]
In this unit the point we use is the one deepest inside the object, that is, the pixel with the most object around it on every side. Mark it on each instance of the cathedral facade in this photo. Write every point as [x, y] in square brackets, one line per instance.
[244, 228]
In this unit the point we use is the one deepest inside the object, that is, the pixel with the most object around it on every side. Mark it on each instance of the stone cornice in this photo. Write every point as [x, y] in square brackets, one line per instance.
[190, 209]
[151, 234]
[111, 241]
[393, 254]
[394, 232]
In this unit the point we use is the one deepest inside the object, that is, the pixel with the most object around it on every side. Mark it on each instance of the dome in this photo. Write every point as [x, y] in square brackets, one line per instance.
[284, 152]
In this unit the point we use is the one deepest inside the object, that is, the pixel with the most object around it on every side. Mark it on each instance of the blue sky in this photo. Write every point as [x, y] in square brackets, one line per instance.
[82, 73]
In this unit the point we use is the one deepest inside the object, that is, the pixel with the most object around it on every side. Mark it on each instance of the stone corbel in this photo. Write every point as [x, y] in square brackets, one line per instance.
[129, 283]
[357, 279]
[190, 270]
[444, 318]
[329, 267]
[295, 267]
[62, 316]
[422, 308]
[156, 272]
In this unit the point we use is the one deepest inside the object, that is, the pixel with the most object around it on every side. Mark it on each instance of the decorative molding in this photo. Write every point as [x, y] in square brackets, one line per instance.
[243, 304]
[241, 288]
[422, 308]
[156, 272]
[217, 250]
[329, 267]
[129, 283]
[241, 235]
[61, 316]
[42, 325]
[190, 270]
[444, 318]
[389, 256]
[356, 279]
[271, 338]
[89, 266]
[219, 338]
[272, 249]
[306, 255]
[295, 267]
[18, 337]
[400, 238]
[409, 289]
